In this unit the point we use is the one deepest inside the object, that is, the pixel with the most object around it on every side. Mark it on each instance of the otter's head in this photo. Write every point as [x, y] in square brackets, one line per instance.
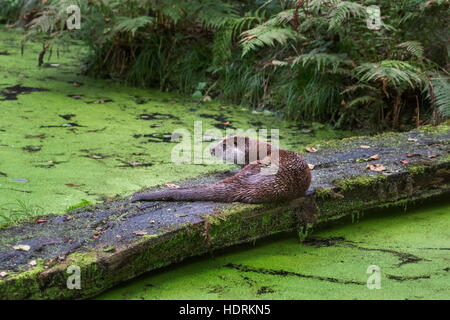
[240, 150]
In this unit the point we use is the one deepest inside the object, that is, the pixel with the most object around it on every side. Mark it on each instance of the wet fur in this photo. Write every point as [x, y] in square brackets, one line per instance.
[249, 185]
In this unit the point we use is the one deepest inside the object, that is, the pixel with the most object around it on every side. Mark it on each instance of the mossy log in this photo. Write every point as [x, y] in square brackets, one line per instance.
[116, 241]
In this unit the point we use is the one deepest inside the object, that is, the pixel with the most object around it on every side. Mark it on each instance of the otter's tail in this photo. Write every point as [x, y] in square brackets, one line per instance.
[212, 192]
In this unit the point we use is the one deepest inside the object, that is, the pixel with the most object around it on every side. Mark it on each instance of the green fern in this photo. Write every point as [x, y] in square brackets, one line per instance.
[131, 25]
[439, 94]
[413, 47]
[395, 73]
[343, 11]
[266, 34]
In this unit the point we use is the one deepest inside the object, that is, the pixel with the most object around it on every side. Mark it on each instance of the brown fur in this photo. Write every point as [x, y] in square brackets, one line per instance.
[250, 185]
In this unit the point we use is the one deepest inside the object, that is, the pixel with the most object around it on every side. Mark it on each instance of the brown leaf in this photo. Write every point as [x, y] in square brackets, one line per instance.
[68, 218]
[95, 236]
[432, 156]
[404, 161]
[140, 233]
[172, 186]
[374, 157]
[3, 274]
[311, 149]
[226, 123]
[73, 185]
[378, 167]
[410, 155]
[364, 147]
[412, 139]
[41, 220]
[311, 166]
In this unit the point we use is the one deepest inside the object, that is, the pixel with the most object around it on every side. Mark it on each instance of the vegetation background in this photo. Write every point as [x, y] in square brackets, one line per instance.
[305, 59]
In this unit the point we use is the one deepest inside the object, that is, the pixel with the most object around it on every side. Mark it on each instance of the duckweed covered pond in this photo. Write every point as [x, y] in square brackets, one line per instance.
[67, 140]
[410, 248]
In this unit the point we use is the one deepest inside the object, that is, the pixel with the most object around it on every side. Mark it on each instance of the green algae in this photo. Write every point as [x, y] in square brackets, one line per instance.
[411, 250]
[86, 135]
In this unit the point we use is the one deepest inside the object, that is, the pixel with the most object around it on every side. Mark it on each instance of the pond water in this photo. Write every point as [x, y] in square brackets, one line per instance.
[410, 248]
[65, 137]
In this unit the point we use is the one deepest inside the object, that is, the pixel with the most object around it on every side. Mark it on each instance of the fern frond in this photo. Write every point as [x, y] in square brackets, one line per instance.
[439, 94]
[395, 73]
[126, 24]
[321, 60]
[266, 34]
[413, 47]
[364, 100]
[344, 10]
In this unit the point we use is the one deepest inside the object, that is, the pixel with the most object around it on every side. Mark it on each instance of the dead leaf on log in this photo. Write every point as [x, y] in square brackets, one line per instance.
[140, 233]
[172, 186]
[404, 161]
[311, 149]
[374, 157]
[22, 247]
[412, 139]
[311, 166]
[410, 155]
[376, 167]
[41, 220]
[432, 156]
[364, 147]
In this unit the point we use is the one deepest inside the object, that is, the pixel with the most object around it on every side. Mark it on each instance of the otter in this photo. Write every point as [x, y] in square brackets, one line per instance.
[252, 184]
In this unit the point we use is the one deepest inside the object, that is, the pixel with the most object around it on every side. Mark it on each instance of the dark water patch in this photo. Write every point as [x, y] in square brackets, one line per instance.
[142, 100]
[65, 125]
[67, 116]
[224, 122]
[75, 96]
[97, 130]
[264, 290]
[156, 116]
[134, 164]
[100, 101]
[38, 136]
[322, 242]
[49, 164]
[284, 273]
[11, 93]
[406, 278]
[405, 258]
[32, 148]
[159, 137]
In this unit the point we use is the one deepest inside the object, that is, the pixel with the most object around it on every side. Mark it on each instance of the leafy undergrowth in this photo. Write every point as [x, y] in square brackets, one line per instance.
[410, 249]
[65, 137]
